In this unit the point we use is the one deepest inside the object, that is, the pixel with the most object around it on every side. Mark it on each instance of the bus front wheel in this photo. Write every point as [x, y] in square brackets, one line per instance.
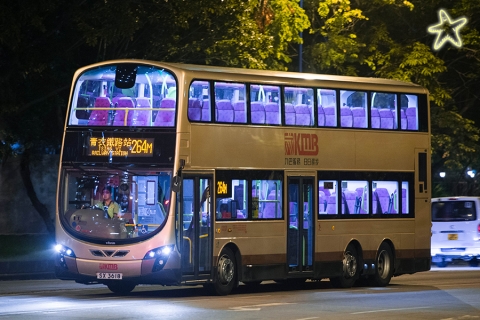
[226, 275]
[121, 287]
[383, 267]
[350, 270]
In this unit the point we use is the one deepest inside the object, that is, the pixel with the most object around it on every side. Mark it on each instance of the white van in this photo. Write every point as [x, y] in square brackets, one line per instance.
[455, 230]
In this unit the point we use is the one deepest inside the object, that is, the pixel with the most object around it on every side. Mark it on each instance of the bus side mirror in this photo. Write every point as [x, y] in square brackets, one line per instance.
[177, 180]
[177, 183]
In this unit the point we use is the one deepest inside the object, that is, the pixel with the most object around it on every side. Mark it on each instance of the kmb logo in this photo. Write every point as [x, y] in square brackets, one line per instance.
[108, 266]
[301, 144]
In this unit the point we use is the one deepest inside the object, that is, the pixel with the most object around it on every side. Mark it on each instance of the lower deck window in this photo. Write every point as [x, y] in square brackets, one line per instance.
[390, 194]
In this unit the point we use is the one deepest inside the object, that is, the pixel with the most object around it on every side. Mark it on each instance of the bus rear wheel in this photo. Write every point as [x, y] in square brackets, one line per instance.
[473, 263]
[226, 275]
[383, 267]
[350, 269]
[121, 287]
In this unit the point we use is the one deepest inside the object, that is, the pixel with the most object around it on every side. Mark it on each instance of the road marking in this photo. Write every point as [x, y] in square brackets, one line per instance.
[66, 308]
[388, 310]
[258, 307]
[226, 298]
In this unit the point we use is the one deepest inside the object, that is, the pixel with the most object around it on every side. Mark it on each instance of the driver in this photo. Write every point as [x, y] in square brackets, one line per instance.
[110, 207]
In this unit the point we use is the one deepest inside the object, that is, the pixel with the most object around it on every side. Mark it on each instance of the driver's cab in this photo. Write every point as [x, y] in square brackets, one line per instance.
[142, 202]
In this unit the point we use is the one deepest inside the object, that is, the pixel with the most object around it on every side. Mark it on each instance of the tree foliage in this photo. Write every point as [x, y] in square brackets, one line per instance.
[42, 43]
[389, 39]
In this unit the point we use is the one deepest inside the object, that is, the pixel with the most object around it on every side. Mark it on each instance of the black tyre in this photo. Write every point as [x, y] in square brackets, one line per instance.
[383, 267]
[350, 269]
[473, 263]
[121, 287]
[226, 276]
[441, 264]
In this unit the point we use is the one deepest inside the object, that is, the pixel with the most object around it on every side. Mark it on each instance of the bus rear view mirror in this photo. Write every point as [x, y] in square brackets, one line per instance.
[125, 76]
[177, 183]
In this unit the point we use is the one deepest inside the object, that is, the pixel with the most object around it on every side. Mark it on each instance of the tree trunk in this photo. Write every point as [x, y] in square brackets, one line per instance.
[27, 181]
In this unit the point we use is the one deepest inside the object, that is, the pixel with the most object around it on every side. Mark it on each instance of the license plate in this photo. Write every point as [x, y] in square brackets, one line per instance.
[452, 236]
[109, 276]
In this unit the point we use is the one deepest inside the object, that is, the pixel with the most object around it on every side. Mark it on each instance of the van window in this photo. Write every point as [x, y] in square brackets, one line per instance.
[454, 211]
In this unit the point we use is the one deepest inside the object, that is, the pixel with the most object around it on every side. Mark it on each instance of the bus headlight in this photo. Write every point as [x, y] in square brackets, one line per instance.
[160, 255]
[62, 252]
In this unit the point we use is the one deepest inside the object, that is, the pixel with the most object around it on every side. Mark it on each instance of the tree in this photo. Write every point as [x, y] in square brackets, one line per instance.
[388, 39]
[43, 43]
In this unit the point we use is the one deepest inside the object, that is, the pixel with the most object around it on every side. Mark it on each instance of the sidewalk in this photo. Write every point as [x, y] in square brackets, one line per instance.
[26, 257]
[26, 269]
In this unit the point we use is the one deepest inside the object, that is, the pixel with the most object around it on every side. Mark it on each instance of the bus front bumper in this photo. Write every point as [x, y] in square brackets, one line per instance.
[145, 271]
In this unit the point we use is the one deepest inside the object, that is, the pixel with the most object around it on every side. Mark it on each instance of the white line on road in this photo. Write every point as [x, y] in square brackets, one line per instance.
[388, 310]
[257, 307]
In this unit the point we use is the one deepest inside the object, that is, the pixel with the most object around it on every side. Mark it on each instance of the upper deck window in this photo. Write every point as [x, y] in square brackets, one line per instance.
[230, 102]
[353, 112]
[123, 96]
[327, 107]
[265, 104]
[199, 101]
[299, 107]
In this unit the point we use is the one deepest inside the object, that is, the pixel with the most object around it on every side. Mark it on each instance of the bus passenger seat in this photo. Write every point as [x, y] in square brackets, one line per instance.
[257, 112]
[330, 116]
[404, 201]
[380, 201]
[194, 109]
[166, 113]
[123, 103]
[403, 119]
[224, 111]
[83, 102]
[240, 115]
[346, 117]
[332, 204]
[99, 117]
[362, 200]
[302, 115]
[411, 118]
[142, 117]
[206, 115]
[117, 97]
[386, 119]
[272, 113]
[325, 191]
[321, 116]
[375, 117]
[349, 198]
[322, 202]
[359, 119]
[272, 209]
[289, 114]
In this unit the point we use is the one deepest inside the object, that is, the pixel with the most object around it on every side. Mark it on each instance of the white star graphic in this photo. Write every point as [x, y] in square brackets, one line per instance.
[447, 30]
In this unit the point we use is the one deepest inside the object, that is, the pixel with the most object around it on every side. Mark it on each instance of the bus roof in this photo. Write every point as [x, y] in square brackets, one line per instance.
[214, 71]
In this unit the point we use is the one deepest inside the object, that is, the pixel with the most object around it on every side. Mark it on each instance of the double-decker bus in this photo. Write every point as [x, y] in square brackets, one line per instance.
[221, 176]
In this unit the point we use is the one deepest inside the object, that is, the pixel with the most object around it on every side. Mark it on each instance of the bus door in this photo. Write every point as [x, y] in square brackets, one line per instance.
[196, 227]
[300, 233]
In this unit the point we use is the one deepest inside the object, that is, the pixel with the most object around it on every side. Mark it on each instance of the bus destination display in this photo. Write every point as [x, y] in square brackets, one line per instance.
[120, 147]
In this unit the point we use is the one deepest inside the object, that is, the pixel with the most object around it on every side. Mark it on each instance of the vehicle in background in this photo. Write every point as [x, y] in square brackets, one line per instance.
[455, 230]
